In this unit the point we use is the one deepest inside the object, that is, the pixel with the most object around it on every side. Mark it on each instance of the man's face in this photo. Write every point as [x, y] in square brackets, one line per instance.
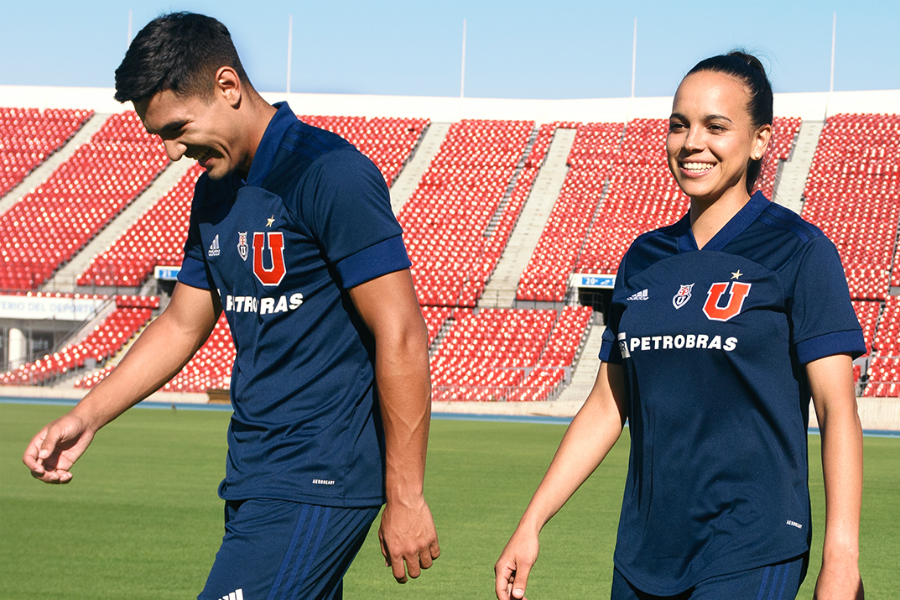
[204, 129]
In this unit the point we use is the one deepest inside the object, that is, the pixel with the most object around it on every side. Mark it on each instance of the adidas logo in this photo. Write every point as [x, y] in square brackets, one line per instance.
[236, 594]
[641, 295]
[214, 251]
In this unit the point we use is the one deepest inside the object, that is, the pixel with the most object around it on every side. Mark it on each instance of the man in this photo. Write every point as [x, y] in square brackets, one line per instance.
[292, 236]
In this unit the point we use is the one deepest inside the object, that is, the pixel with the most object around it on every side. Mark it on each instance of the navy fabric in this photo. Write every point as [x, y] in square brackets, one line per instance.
[275, 550]
[713, 344]
[773, 582]
[282, 249]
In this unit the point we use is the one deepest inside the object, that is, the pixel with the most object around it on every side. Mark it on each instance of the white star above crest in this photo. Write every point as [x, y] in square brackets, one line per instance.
[270, 220]
[737, 274]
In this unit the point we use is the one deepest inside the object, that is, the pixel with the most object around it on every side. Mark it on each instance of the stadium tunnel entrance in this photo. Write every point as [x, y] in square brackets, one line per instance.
[597, 299]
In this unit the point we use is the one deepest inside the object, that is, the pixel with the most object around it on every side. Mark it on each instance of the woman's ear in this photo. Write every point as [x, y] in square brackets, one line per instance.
[761, 139]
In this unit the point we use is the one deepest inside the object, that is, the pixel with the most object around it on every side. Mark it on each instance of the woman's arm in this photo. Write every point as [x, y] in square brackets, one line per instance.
[831, 382]
[593, 431]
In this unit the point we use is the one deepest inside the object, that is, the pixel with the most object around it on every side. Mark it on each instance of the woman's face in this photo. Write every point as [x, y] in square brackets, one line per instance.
[711, 137]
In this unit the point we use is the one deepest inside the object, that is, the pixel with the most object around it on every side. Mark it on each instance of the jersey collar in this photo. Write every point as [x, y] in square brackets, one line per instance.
[265, 152]
[738, 223]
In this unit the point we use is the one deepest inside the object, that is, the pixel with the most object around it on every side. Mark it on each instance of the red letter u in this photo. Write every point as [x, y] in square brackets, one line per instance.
[715, 312]
[274, 275]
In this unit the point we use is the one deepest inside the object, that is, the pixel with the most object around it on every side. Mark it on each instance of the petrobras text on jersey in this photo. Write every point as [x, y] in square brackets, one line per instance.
[685, 341]
[263, 306]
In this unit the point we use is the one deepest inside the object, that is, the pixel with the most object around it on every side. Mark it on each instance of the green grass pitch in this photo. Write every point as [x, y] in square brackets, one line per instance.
[141, 518]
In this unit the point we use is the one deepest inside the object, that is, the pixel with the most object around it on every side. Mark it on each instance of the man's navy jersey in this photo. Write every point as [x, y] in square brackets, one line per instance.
[713, 344]
[312, 221]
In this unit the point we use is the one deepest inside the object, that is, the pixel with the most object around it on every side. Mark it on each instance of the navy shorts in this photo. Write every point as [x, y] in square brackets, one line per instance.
[277, 550]
[780, 581]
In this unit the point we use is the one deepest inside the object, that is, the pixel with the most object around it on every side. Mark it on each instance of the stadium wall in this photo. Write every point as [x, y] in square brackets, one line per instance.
[815, 106]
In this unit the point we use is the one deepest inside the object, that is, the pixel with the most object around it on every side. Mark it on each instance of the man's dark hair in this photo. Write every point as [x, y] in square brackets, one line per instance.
[180, 52]
[749, 70]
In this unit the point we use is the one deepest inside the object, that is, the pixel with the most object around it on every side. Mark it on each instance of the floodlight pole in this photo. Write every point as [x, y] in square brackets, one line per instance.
[633, 56]
[290, 40]
[462, 80]
[833, 37]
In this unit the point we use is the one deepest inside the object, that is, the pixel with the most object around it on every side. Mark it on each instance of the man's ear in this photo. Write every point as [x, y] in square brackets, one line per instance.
[228, 85]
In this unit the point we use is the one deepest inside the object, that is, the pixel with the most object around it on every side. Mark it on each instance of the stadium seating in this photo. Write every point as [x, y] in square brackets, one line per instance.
[51, 223]
[155, 238]
[853, 195]
[457, 224]
[867, 312]
[507, 354]
[447, 218]
[28, 136]
[389, 142]
[784, 134]
[106, 339]
[435, 317]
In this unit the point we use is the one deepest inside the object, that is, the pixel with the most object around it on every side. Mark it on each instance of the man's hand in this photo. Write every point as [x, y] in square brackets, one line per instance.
[56, 447]
[407, 535]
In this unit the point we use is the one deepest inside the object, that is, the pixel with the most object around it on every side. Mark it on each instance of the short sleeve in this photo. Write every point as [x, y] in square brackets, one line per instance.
[609, 350]
[822, 317]
[347, 206]
[193, 268]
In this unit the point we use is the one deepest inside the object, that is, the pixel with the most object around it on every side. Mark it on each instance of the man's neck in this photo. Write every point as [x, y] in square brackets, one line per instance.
[259, 115]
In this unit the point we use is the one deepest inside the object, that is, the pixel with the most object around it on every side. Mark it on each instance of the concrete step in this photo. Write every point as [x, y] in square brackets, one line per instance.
[794, 172]
[409, 177]
[586, 368]
[500, 291]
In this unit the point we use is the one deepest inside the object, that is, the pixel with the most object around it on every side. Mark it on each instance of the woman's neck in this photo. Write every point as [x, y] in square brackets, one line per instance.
[708, 217]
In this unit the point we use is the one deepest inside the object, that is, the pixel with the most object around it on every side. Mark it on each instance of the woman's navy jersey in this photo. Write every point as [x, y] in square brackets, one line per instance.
[713, 344]
[312, 220]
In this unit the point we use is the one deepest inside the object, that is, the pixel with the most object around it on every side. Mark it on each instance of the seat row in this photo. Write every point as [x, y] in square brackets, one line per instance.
[28, 136]
[105, 340]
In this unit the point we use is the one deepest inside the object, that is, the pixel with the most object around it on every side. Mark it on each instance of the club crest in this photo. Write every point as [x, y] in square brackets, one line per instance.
[683, 295]
[243, 248]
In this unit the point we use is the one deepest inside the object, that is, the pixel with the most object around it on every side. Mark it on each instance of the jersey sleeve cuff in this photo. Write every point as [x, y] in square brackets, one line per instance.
[839, 342]
[609, 353]
[380, 259]
[193, 273]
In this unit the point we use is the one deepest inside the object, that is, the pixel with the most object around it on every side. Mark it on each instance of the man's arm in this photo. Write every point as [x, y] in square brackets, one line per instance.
[831, 382]
[158, 354]
[389, 307]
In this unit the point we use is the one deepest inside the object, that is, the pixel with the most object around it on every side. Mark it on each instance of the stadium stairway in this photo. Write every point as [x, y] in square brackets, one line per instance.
[500, 291]
[412, 173]
[586, 368]
[45, 169]
[789, 187]
[65, 278]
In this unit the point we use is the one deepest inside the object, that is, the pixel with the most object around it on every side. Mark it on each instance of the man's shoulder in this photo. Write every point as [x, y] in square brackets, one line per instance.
[305, 140]
[308, 151]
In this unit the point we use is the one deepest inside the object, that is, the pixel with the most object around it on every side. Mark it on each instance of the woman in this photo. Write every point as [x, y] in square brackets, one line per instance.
[721, 326]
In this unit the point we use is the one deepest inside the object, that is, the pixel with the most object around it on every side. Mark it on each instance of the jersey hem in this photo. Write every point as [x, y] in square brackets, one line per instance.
[361, 502]
[707, 573]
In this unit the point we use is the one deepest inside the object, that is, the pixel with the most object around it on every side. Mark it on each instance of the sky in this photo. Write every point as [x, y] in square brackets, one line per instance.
[550, 49]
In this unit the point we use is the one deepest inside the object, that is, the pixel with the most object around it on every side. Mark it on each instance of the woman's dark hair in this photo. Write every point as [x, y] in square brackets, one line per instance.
[746, 68]
[180, 52]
